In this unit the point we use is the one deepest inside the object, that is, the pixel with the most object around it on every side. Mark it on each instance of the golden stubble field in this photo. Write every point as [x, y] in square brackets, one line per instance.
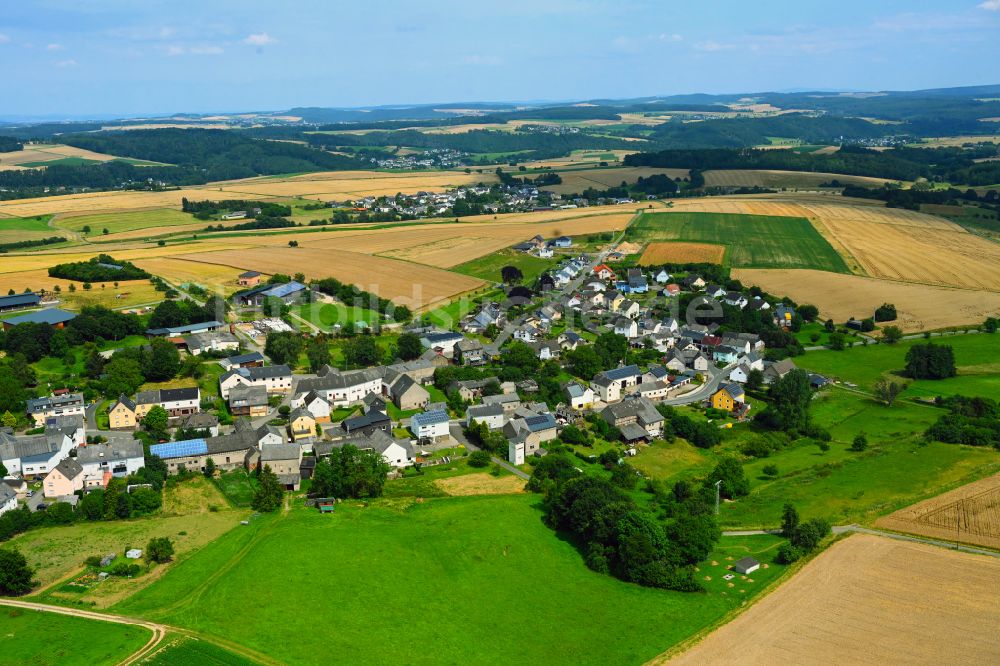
[656, 254]
[869, 600]
[840, 297]
[969, 514]
[406, 283]
[602, 179]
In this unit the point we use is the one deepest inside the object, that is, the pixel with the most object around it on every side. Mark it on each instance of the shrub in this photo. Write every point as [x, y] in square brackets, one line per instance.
[479, 459]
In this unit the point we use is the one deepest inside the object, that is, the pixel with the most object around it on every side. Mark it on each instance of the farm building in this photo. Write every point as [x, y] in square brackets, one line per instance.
[189, 329]
[248, 279]
[251, 360]
[289, 292]
[19, 301]
[54, 317]
[746, 565]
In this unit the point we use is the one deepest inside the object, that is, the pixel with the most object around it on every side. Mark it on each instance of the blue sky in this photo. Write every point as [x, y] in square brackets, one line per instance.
[64, 58]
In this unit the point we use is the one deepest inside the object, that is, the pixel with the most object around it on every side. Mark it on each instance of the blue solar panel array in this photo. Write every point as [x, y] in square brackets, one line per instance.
[187, 447]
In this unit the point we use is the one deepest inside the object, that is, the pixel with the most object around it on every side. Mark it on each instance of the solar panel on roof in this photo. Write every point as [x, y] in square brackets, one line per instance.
[187, 447]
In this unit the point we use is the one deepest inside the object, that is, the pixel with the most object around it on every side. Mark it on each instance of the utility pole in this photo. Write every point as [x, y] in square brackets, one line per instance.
[718, 485]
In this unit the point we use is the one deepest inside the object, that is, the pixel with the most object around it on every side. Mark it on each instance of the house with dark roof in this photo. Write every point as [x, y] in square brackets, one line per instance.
[527, 432]
[68, 404]
[249, 401]
[276, 379]
[115, 459]
[407, 394]
[285, 460]
[492, 415]
[64, 479]
[178, 402]
[636, 417]
[611, 384]
[367, 422]
[251, 360]
[54, 317]
[248, 279]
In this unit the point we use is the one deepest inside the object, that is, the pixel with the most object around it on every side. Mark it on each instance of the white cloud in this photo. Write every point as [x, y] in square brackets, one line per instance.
[175, 50]
[4, 38]
[66, 63]
[712, 46]
[664, 37]
[259, 39]
[991, 5]
[55, 47]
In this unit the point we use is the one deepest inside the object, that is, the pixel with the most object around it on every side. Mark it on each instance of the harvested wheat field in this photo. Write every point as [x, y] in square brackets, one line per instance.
[776, 179]
[481, 484]
[408, 284]
[601, 179]
[434, 244]
[869, 600]
[101, 202]
[682, 253]
[914, 247]
[185, 270]
[969, 514]
[840, 297]
[353, 184]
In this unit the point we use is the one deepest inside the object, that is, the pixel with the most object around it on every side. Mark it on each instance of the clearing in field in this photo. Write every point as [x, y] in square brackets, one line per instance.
[759, 241]
[35, 638]
[481, 484]
[869, 600]
[682, 253]
[468, 561]
[969, 514]
[840, 297]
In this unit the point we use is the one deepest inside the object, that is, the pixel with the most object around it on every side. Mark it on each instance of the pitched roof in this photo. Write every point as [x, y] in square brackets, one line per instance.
[117, 450]
[69, 468]
[433, 417]
[272, 452]
[181, 449]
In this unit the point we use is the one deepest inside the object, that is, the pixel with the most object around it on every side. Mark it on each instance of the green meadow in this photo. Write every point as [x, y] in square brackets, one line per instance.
[456, 580]
[752, 241]
[34, 638]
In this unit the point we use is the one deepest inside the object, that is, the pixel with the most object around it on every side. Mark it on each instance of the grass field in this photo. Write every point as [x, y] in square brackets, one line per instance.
[14, 229]
[447, 570]
[751, 240]
[326, 315]
[869, 600]
[977, 358]
[33, 638]
[128, 221]
[488, 267]
[969, 514]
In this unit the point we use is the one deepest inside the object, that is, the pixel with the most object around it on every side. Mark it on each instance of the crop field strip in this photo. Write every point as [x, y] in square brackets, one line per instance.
[869, 600]
[840, 297]
[777, 178]
[680, 252]
[969, 514]
[761, 241]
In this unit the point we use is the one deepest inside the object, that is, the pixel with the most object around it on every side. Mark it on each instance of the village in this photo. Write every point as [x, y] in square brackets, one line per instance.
[288, 421]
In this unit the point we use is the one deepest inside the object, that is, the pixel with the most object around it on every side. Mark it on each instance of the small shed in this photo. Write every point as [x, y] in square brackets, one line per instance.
[108, 559]
[746, 565]
[133, 554]
[326, 504]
